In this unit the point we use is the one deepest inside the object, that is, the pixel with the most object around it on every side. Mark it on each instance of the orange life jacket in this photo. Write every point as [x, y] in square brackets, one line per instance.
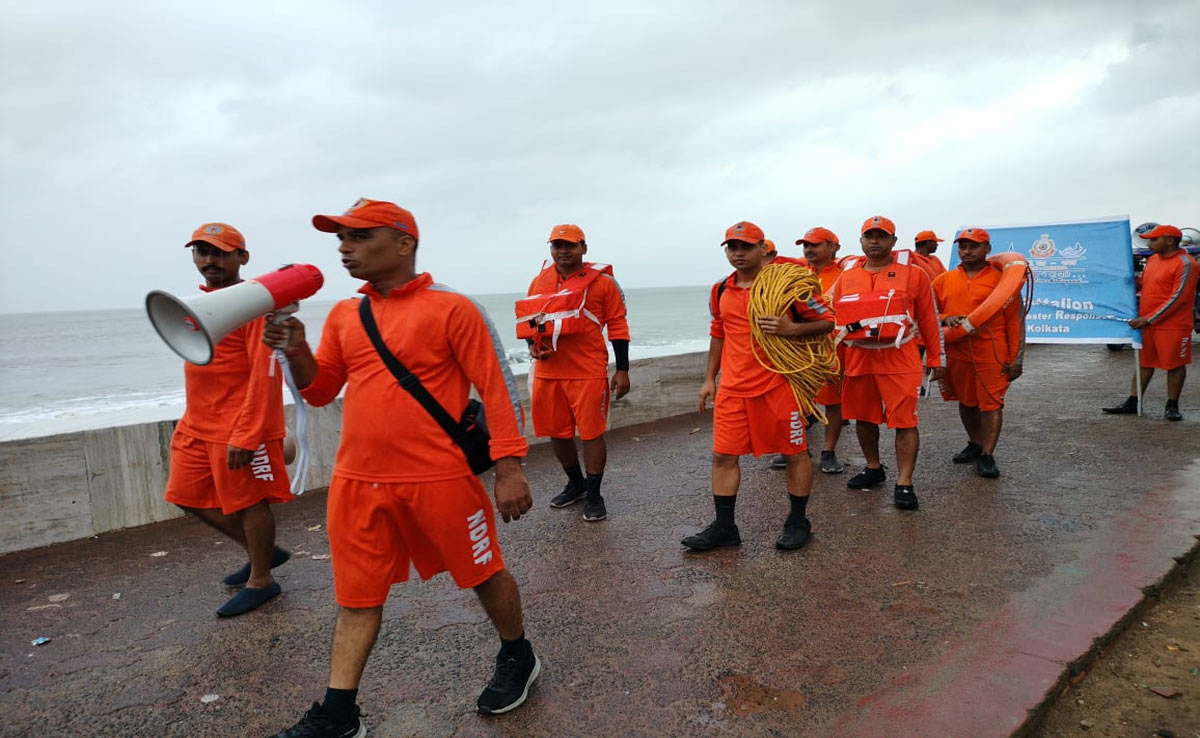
[555, 310]
[880, 315]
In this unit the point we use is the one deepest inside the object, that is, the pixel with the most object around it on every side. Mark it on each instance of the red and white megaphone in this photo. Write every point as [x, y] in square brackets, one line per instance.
[192, 327]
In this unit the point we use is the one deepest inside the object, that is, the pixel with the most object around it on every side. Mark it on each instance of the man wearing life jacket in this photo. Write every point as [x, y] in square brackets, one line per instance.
[820, 253]
[1164, 317]
[570, 305]
[227, 463]
[980, 366]
[403, 495]
[754, 409]
[926, 243]
[881, 302]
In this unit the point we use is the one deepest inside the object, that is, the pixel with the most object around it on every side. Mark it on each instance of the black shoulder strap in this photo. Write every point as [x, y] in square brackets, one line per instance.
[407, 379]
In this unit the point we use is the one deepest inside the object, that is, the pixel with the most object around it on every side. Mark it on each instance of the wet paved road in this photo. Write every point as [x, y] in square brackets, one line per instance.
[950, 621]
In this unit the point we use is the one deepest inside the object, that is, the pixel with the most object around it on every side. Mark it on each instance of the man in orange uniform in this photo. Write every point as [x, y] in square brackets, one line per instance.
[1164, 317]
[926, 243]
[883, 380]
[772, 252]
[980, 366]
[571, 387]
[820, 252]
[754, 410]
[227, 450]
[402, 493]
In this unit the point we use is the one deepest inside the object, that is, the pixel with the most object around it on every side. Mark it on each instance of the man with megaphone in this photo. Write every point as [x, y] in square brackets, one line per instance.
[404, 490]
[227, 463]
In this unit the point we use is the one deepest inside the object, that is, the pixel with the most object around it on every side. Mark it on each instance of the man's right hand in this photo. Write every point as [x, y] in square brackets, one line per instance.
[287, 336]
[706, 392]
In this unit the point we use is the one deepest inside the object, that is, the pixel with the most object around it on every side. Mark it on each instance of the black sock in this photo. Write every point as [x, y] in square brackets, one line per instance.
[724, 505]
[516, 647]
[1173, 403]
[799, 505]
[574, 474]
[1132, 401]
[339, 703]
[593, 484]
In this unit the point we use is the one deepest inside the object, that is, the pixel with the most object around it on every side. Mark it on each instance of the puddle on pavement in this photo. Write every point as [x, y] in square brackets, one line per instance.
[743, 696]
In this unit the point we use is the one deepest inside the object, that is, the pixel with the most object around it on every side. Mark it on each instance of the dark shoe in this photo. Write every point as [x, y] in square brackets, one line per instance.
[985, 466]
[830, 463]
[593, 509]
[868, 477]
[794, 535]
[1129, 407]
[905, 499]
[241, 576]
[510, 684]
[316, 724]
[1172, 413]
[778, 461]
[713, 536]
[572, 493]
[250, 598]
[972, 452]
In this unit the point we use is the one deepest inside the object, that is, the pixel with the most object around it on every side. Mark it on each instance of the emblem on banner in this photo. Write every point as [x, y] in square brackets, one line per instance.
[1043, 247]
[1073, 252]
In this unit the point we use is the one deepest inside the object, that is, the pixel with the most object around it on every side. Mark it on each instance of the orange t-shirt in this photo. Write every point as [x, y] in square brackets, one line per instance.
[932, 265]
[1168, 291]
[828, 276]
[235, 399]
[906, 358]
[998, 341]
[741, 374]
[584, 355]
[449, 343]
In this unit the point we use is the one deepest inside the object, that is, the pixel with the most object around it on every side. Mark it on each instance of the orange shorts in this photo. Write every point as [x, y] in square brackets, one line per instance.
[878, 398]
[769, 424]
[974, 384]
[559, 406]
[831, 393]
[1166, 348]
[201, 478]
[377, 530]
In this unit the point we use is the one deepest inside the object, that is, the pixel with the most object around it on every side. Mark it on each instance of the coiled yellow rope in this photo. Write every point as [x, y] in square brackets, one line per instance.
[808, 362]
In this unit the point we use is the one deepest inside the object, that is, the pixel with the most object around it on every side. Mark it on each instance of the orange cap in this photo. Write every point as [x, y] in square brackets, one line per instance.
[818, 235]
[369, 214]
[567, 232]
[926, 236]
[1162, 230]
[770, 245]
[978, 235]
[221, 235]
[743, 230]
[880, 222]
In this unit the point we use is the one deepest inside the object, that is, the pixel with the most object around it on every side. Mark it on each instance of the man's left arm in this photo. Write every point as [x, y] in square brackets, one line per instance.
[618, 334]
[1014, 333]
[248, 429]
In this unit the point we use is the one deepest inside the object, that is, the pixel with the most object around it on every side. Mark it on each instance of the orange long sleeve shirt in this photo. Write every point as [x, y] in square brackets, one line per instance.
[584, 355]
[448, 342]
[1168, 291]
[235, 399]
[998, 341]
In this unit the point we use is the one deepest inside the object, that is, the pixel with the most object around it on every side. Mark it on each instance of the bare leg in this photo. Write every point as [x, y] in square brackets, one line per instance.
[971, 422]
[1147, 374]
[726, 475]
[502, 602]
[595, 455]
[908, 442]
[868, 439]
[229, 525]
[565, 452]
[258, 524]
[833, 427]
[799, 474]
[990, 423]
[353, 638]
[1175, 379]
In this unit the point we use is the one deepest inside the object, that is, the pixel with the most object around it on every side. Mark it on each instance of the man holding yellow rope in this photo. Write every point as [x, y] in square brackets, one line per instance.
[755, 410]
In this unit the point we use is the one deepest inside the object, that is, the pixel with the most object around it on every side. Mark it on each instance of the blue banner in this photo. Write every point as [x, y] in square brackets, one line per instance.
[1083, 289]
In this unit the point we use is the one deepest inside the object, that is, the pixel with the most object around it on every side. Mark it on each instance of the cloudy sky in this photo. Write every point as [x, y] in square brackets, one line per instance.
[653, 125]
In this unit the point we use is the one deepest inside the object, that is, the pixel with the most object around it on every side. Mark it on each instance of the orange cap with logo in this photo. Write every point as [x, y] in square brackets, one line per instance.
[221, 235]
[369, 214]
[818, 235]
[926, 236]
[879, 222]
[1162, 230]
[978, 235]
[567, 232]
[744, 230]
[770, 245]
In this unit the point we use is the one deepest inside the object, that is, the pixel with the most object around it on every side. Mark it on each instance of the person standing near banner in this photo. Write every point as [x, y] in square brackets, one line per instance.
[403, 494]
[820, 253]
[571, 389]
[883, 367]
[1164, 318]
[227, 463]
[979, 367]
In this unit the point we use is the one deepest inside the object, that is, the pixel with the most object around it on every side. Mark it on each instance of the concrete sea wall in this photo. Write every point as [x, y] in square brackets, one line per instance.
[74, 485]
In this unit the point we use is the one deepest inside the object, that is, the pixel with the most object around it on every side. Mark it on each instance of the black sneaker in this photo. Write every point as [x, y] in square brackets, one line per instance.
[985, 466]
[905, 499]
[1129, 407]
[970, 453]
[830, 463]
[794, 535]
[572, 493]
[1172, 413]
[778, 461]
[713, 536]
[868, 477]
[593, 509]
[510, 684]
[316, 724]
[241, 576]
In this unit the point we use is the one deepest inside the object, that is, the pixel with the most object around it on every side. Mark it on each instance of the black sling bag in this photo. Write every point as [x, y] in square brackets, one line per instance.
[469, 433]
